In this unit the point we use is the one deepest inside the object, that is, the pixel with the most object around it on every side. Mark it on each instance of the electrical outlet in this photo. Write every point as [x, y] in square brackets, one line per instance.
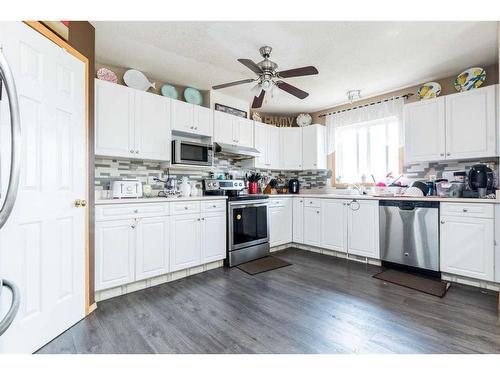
[151, 180]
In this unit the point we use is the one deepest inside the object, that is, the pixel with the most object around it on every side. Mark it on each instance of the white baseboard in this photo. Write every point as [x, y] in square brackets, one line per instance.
[102, 295]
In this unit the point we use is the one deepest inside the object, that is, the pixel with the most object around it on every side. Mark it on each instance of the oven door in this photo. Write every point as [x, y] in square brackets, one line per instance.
[192, 153]
[248, 224]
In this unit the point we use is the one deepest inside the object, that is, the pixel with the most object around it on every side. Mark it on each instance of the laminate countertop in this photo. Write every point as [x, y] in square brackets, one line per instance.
[380, 198]
[157, 200]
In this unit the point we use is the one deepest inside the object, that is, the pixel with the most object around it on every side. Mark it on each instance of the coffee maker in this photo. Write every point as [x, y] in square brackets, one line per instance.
[293, 186]
[480, 181]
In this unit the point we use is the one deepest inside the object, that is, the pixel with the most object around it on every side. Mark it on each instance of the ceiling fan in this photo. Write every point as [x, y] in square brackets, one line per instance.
[269, 78]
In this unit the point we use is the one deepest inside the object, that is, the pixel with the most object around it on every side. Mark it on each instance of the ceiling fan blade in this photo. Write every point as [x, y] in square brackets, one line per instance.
[257, 100]
[292, 90]
[304, 71]
[233, 83]
[251, 65]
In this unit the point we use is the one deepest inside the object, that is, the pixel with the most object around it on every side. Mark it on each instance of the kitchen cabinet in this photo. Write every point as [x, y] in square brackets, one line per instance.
[298, 220]
[363, 228]
[213, 236]
[185, 241]
[467, 245]
[291, 148]
[424, 124]
[192, 119]
[114, 253]
[334, 224]
[152, 247]
[312, 226]
[131, 123]
[314, 147]
[233, 130]
[268, 144]
[280, 221]
[457, 126]
[471, 124]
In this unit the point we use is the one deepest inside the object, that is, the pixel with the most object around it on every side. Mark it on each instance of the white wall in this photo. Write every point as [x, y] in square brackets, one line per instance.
[220, 98]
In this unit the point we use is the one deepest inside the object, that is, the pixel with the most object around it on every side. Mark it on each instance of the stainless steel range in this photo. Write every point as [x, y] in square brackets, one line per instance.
[247, 221]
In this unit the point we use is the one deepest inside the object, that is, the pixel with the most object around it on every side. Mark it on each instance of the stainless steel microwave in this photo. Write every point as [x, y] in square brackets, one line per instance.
[192, 153]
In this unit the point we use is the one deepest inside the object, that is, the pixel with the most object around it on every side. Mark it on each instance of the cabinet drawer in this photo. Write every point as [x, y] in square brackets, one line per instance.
[278, 202]
[312, 202]
[186, 207]
[212, 206]
[123, 211]
[482, 210]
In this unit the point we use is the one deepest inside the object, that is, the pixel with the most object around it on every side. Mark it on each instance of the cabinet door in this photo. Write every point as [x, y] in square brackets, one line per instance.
[223, 128]
[114, 253]
[424, 130]
[243, 131]
[291, 148]
[471, 124]
[182, 116]
[203, 121]
[213, 237]
[262, 133]
[114, 120]
[313, 147]
[274, 154]
[152, 126]
[152, 247]
[312, 226]
[362, 229]
[333, 224]
[280, 223]
[298, 220]
[467, 247]
[185, 244]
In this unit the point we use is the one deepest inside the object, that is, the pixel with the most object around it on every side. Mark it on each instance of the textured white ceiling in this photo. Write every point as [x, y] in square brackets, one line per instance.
[374, 57]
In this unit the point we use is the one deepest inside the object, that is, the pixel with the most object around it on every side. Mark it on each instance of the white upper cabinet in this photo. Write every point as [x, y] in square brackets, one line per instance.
[192, 119]
[233, 130]
[471, 124]
[291, 148]
[152, 130]
[313, 147]
[114, 120]
[131, 123]
[267, 141]
[424, 124]
[458, 126]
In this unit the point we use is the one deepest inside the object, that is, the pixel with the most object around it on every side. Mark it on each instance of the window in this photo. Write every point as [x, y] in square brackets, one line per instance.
[367, 148]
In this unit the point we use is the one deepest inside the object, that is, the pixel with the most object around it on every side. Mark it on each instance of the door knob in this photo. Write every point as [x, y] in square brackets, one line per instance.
[78, 203]
[84, 203]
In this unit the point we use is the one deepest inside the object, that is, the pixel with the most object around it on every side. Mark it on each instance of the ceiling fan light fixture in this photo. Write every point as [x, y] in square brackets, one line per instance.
[267, 84]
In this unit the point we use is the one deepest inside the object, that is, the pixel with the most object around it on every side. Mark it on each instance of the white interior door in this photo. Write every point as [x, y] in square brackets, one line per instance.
[42, 246]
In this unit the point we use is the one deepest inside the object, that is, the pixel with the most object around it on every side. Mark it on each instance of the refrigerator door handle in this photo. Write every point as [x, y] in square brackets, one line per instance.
[14, 305]
[15, 151]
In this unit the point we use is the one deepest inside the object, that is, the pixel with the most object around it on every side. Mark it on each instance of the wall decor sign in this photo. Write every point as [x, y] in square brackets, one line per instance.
[280, 121]
[230, 110]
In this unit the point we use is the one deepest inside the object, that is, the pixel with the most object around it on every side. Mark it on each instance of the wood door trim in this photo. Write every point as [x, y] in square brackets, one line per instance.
[49, 34]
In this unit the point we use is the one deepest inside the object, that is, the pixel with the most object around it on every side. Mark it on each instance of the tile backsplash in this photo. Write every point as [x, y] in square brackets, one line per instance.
[109, 169]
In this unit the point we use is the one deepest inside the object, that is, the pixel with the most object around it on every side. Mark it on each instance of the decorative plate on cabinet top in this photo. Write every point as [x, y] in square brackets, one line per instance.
[429, 90]
[469, 79]
[137, 80]
[105, 74]
[304, 119]
[193, 96]
[169, 91]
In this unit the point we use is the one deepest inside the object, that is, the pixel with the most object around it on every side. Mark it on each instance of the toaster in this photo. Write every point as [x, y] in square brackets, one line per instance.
[126, 189]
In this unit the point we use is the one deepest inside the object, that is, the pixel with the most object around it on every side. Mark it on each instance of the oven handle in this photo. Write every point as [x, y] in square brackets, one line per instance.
[247, 204]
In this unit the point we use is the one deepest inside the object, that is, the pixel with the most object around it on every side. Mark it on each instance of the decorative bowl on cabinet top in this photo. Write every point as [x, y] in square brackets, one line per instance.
[471, 78]
[137, 80]
[429, 90]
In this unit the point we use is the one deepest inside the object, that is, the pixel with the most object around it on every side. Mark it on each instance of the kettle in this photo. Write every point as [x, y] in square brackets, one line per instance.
[293, 186]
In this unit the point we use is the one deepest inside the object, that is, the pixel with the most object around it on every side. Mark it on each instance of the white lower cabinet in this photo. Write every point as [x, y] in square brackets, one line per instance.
[298, 220]
[280, 218]
[363, 228]
[152, 247]
[312, 226]
[333, 224]
[114, 253]
[213, 236]
[467, 246]
[185, 243]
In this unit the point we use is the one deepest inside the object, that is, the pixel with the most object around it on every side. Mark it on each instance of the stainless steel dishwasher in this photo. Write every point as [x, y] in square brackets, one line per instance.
[409, 234]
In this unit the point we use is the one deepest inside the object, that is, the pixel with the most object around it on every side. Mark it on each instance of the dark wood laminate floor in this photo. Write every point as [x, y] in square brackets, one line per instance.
[320, 304]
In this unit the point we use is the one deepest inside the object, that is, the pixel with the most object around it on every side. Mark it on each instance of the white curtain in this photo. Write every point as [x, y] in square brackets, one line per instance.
[385, 110]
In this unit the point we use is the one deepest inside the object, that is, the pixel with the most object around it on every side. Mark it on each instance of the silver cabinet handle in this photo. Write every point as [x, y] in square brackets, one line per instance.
[15, 127]
[14, 305]
[448, 154]
[214, 206]
[131, 151]
[136, 211]
[442, 221]
[465, 210]
[185, 207]
[317, 212]
[136, 151]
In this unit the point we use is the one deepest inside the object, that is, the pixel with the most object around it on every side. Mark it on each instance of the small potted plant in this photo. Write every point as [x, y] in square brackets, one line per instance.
[253, 179]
